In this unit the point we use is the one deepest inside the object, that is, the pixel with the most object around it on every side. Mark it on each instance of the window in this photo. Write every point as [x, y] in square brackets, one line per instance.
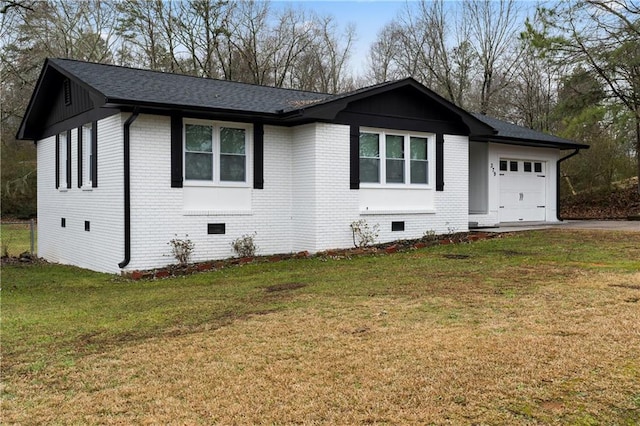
[86, 155]
[369, 158]
[394, 158]
[527, 166]
[232, 155]
[419, 160]
[64, 163]
[513, 166]
[503, 165]
[215, 152]
[538, 167]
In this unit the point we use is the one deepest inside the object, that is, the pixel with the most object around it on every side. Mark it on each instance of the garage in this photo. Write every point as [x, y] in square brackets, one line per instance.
[522, 190]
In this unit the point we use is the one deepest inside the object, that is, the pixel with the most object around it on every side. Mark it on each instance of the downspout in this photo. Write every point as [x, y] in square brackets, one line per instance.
[127, 188]
[558, 177]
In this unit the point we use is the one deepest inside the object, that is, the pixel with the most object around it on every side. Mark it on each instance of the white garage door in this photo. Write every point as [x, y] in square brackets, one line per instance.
[522, 190]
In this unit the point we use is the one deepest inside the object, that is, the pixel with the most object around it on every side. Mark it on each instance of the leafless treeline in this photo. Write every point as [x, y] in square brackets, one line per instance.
[572, 69]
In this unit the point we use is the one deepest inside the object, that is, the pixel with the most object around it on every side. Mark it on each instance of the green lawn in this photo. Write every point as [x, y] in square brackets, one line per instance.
[63, 328]
[16, 238]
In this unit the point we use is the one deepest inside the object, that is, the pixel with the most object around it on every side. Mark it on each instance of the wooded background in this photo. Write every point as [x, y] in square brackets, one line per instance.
[570, 68]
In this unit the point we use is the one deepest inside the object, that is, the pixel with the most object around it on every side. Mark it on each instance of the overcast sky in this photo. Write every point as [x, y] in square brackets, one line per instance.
[369, 16]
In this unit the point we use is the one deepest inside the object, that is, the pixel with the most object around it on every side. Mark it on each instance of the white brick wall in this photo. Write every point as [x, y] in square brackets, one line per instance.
[303, 176]
[101, 248]
[450, 206]
[157, 209]
[336, 203]
[306, 203]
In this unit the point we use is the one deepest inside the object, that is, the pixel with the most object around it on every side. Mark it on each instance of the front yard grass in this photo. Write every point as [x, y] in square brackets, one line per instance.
[15, 238]
[537, 327]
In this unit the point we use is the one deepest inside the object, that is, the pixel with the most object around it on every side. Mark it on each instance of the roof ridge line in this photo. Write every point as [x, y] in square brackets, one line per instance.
[191, 76]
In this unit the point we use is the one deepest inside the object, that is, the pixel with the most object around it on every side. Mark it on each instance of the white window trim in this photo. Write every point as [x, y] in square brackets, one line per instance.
[431, 143]
[216, 182]
[62, 167]
[87, 144]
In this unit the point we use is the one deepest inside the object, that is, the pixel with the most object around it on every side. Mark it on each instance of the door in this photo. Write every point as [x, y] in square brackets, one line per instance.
[522, 190]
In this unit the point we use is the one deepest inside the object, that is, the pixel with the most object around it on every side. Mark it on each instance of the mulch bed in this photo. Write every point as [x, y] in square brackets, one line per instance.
[378, 249]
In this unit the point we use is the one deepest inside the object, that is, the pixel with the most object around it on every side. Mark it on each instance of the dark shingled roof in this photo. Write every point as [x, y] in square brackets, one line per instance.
[115, 87]
[507, 131]
[137, 86]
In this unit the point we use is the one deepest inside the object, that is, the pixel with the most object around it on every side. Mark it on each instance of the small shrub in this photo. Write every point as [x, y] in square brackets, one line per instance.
[451, 232]
[363, 235]
[245, 246]
[430, 236]
[181, 249]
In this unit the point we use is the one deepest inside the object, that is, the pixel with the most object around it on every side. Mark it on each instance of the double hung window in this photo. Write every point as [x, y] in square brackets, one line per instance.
[87, 155]
[64, 158]
[215, 152]
[395, 158]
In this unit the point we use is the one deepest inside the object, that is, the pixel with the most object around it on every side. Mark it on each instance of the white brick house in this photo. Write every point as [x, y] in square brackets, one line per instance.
[129, 159]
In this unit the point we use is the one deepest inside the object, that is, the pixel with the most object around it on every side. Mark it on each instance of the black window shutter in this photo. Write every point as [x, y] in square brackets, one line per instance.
[69, 159]
[80, 157]
[439, 162]
[354, 160]
[57, 161]
[94, 154]
[258, 156]
[176, 151]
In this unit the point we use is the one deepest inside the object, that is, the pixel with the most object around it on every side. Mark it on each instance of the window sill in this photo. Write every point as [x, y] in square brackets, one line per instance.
[217, 213]
[87, 188]
[204, 184]
[414, 186]
[396, 212]
[63, 189]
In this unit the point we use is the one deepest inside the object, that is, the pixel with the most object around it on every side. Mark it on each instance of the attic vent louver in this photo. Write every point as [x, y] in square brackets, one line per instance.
[67, 92]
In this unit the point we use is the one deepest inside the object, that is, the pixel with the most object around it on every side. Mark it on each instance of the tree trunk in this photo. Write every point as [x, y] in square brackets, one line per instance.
[638, 147]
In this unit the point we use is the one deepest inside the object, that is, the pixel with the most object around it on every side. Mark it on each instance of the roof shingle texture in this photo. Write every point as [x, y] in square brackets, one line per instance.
[512, 131]
[153, 87]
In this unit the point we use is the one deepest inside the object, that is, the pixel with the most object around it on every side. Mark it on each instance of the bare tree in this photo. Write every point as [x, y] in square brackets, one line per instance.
[493, 29]
[467, 54]
[604, 37]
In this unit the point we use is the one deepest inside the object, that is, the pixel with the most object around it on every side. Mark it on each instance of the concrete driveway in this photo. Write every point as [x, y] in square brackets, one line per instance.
[612, 225]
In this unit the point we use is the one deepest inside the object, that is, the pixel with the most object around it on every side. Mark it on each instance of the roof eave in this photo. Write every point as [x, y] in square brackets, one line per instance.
[328, 109]
[166, 108]
[21, 135]
[97, 98]
[529, 142]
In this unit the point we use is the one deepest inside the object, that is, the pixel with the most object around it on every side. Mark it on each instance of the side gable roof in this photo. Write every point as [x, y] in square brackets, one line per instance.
[109, 88]
[514, 134]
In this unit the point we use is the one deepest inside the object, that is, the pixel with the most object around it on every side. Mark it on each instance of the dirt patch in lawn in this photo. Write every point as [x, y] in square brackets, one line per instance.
[565, 353]
[284, 287]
